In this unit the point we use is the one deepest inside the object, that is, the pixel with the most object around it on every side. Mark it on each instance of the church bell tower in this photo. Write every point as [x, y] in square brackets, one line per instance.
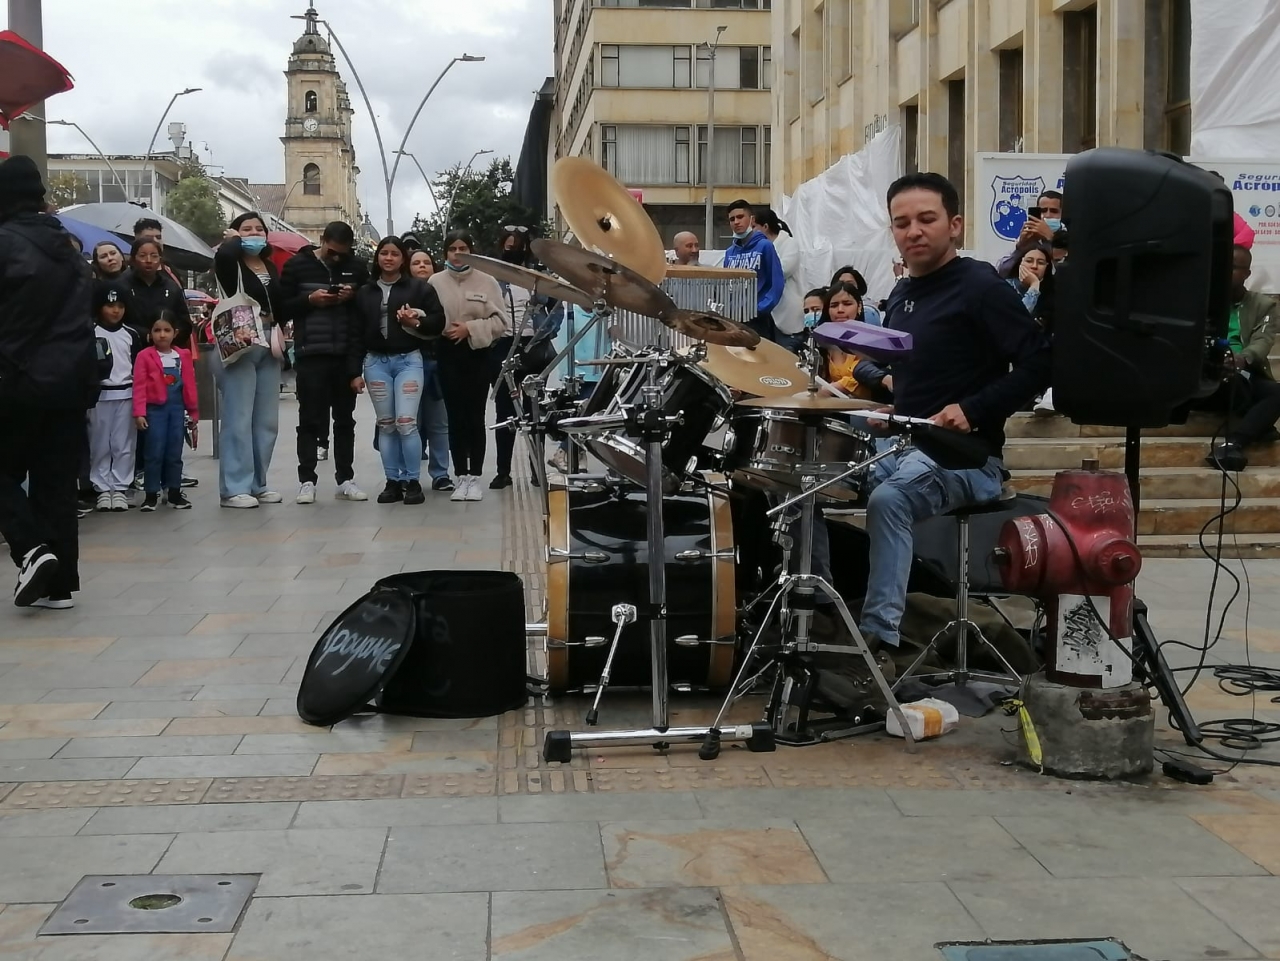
[319, 158]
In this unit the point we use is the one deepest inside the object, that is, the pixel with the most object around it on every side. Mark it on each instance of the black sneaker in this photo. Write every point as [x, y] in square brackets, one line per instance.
[442, 484]
[190, 481]
[500, 482]
[391, 493]
[178, 501]
[1228, 457]
[151, 501]
[38, 566]
[413, 492]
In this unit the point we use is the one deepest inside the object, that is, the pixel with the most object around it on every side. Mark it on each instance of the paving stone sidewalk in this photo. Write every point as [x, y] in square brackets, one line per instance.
[153, 730]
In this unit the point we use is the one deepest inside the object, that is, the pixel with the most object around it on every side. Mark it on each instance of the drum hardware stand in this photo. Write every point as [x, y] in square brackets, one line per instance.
[531, 428]
[648, 422]
[621, 615]
[800, 589]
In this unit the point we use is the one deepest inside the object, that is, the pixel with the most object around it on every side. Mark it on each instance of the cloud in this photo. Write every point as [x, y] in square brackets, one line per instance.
[128, 63]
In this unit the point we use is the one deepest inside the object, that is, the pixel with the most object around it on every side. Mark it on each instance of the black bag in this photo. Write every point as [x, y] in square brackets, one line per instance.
[104, 357]
[535, 356]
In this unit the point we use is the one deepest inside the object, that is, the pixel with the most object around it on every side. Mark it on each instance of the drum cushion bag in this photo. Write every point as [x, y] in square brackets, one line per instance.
[469, 655]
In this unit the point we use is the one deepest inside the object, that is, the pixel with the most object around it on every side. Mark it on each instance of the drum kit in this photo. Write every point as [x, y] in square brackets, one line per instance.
[645, 541]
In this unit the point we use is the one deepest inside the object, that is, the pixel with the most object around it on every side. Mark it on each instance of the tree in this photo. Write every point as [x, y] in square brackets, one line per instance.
[483, 203]
[193, 202]
[62, 188]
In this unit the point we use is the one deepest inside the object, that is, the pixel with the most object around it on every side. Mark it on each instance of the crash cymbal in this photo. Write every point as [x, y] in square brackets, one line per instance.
[806, 401]
[599, 277]
[765, 370]
[539, 283]
[710, 327]
[606, 218]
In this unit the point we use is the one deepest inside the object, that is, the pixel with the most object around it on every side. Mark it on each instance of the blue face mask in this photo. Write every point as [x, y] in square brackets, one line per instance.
[253, 245]
[812, 318]
[457, 268]
[1053, 224]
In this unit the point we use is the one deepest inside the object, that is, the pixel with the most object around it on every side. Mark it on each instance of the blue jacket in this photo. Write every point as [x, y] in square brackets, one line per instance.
[756, 253]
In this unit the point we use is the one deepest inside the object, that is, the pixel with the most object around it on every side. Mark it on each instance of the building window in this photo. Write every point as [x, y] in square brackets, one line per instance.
[1177, 108]
[840, 29]
[766, 67]
[644, 66]
[310, 102]
[1011, 100]
[311, 180]
[767, 156]
[736, 155]
[957, 153]
[749, 68]
[911, 139]
[1080, 80]
[645, 155]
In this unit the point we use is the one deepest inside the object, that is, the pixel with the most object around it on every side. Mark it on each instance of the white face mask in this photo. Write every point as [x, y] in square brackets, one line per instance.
[812, 318]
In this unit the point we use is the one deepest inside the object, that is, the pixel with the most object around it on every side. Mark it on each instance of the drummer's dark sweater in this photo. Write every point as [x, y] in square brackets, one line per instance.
[973, 344]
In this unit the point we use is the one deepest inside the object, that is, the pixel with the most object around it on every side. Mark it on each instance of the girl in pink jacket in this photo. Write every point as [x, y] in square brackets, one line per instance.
[164, 394]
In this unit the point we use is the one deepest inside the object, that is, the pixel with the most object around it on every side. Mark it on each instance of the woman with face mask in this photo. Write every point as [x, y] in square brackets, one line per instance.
[249, 387]
[476, 315]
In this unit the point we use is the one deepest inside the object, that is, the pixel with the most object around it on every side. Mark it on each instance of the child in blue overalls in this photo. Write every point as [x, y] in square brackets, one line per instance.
[164, 394]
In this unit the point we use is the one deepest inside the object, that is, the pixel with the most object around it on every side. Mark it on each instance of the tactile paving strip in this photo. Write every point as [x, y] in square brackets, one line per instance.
[5, 789]
[450, 785]
[67, 794]
[332, 787]
[618, 780]
[784, 776]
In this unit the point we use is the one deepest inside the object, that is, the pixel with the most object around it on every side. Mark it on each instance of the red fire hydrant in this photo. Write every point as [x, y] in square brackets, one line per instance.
[1082, 565]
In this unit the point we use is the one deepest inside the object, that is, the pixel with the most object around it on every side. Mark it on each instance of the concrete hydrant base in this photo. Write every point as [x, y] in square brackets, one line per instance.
[1090, 733]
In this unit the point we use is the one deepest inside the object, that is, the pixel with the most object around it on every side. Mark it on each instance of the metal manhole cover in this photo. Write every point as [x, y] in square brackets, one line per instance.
[1107, 950]
[153, 904]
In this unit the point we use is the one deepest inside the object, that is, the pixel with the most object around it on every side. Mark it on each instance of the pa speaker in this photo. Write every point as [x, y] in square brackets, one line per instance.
[1143, 301]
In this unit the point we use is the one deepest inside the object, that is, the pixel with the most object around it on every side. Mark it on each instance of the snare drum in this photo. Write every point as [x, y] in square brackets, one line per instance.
[686, 389]
[598, 557]
[765, 448]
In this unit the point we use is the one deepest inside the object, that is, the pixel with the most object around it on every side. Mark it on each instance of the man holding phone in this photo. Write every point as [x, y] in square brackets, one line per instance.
[1044, 219]
[318, 284]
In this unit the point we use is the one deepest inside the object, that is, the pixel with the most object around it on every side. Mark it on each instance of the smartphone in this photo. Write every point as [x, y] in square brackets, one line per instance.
[1035, 212]
[335, 289]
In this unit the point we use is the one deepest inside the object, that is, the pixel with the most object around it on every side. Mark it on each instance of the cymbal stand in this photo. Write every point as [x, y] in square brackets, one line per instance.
[531, 427]
[648, 421]
[793, 604]
[600, 314]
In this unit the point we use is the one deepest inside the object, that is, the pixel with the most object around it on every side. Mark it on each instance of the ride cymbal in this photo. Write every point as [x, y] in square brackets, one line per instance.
[710, 327]
[605, 217]
[601, 278]
[539, 283]
[765, 370]
[813, 402]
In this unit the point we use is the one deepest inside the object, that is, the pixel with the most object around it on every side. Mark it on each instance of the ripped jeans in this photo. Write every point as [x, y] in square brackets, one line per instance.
[394, 383]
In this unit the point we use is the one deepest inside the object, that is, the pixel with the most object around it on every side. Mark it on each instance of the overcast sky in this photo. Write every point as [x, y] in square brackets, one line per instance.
[128, 59]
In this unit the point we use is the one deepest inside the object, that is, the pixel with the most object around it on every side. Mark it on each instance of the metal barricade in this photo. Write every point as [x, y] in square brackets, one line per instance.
[728, 292]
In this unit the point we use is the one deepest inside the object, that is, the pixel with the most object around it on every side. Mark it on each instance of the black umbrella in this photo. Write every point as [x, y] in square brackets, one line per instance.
[182, 248]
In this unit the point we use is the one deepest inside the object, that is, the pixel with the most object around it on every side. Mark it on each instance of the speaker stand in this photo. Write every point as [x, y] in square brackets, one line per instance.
[1133, 465]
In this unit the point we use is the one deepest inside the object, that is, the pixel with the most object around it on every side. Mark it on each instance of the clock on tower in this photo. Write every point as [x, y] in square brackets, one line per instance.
[319, 158]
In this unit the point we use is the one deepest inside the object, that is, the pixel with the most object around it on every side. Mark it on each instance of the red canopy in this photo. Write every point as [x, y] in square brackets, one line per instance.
[284, 244]
[27, 76]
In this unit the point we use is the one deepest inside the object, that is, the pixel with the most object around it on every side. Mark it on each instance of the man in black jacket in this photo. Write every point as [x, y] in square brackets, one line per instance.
[48, 374]
[317, 286]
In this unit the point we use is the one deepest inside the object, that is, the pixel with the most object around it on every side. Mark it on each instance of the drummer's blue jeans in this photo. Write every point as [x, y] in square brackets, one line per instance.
[906, 489]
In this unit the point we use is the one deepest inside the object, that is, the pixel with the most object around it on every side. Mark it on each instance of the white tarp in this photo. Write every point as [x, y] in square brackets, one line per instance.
[1235, 63]
[1007, 183]
[839, 217]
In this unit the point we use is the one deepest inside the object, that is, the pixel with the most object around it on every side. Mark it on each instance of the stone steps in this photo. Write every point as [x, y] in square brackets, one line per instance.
[1030, 426]
[1169, 483]
[1055, 453]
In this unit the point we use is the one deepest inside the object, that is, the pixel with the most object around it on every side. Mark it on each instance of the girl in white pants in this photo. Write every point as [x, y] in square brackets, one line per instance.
[112, 432]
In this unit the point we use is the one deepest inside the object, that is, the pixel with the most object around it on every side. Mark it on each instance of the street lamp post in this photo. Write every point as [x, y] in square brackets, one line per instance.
[465, 58]
[709, 172]
[105, 158]
[285, 202]
[448, 211]
[156, 133]
[425, 179]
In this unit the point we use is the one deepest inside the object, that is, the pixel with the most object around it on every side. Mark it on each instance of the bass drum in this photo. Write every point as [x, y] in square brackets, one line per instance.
[598, 557]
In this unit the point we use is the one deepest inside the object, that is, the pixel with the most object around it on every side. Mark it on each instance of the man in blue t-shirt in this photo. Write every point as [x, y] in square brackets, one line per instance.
[752, 250]
[977, 357]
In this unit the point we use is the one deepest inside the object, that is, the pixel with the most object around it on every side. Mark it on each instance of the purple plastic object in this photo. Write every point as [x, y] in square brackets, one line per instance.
[874, 343]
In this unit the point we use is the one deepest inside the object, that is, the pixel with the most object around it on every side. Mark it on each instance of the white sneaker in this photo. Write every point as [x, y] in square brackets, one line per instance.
[1044, 406]
[54, 604]
[474, 490]
[105, 500]
[348, 491]
[240, 501]
[460, 490]
[560, 461]
[322, 453]
[306, 493]
[119, 501]
[269, 497]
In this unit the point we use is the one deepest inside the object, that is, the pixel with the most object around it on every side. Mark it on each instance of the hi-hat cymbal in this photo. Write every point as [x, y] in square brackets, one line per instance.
[539, 283]
[604, 217]
[710, 327]
[765, 370]
[601, 278]
[806, 401]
